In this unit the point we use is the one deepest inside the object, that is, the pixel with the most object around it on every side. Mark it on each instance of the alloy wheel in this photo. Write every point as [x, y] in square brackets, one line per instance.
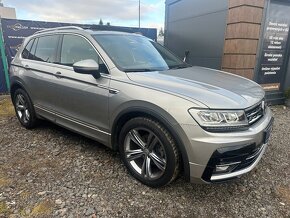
[145, 153]
[22, 108]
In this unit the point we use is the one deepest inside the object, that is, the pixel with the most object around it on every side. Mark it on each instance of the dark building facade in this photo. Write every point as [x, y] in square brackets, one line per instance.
[249, 38]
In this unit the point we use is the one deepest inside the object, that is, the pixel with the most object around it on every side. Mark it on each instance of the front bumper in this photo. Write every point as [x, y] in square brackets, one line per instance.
[240, 151]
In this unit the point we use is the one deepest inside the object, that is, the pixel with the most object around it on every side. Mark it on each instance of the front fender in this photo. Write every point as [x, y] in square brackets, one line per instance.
[157, 113]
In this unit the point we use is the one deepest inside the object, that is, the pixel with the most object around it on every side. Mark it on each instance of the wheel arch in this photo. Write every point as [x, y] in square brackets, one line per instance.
[131, 113]
[14, 86]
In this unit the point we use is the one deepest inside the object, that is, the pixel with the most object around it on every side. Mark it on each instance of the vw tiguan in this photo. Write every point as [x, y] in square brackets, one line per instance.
[136, 97]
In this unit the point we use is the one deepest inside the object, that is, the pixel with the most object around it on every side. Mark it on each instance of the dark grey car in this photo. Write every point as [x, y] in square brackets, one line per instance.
[131, 94]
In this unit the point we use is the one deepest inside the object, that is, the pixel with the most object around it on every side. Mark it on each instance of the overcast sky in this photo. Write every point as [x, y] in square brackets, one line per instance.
[117, 12]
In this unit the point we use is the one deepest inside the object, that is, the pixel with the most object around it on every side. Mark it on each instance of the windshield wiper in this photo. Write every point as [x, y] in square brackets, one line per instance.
[139, 70]
[180, 66]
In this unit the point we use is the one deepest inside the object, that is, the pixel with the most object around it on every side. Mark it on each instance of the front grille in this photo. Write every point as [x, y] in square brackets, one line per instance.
[255, 113]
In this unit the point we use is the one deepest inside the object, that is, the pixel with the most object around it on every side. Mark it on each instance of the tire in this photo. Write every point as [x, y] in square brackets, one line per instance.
[24, 109]
[149, 152]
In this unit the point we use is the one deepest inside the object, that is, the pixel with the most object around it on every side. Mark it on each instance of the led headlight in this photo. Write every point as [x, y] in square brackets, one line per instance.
[217, 119]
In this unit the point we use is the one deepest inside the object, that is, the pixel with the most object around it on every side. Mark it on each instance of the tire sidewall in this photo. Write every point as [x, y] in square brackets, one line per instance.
[167, 143]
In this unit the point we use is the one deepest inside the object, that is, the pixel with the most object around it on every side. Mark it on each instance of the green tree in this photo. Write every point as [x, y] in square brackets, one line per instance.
[161, 32]
[101, 22]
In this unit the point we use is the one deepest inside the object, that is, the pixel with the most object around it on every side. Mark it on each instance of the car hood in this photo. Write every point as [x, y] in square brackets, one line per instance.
[213, 88]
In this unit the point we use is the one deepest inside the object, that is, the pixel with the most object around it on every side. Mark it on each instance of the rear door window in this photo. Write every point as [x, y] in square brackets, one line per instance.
[46, 49]
[33, 49]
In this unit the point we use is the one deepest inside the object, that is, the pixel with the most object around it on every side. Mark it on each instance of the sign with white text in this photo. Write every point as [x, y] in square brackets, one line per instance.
[271, 69]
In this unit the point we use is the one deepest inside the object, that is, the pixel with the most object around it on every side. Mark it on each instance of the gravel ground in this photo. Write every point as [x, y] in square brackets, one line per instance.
[52, 172]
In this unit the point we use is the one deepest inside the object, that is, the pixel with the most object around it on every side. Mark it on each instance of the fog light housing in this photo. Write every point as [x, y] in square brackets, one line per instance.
[226, 168]
[221, 168]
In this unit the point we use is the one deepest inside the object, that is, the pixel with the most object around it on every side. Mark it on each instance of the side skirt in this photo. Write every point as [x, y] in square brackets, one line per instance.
[75, 125]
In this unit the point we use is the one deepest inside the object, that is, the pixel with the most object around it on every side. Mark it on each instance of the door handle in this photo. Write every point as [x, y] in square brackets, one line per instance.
[58, 75]
[26, 67]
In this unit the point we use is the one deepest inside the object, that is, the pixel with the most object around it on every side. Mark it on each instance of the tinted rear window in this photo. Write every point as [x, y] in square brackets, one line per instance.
[27, 49]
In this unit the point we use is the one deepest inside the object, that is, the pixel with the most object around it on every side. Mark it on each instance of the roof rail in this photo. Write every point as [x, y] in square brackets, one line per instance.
[59, 28]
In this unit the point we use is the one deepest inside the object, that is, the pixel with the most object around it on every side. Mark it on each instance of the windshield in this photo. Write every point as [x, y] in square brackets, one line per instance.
[134, 53]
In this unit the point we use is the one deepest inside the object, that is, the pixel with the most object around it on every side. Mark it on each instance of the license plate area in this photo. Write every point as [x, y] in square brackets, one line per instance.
[267, 132]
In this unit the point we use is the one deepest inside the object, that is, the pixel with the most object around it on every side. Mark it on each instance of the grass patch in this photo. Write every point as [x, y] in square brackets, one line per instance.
[23, 213]
[4, 181]
[3, 208]
[287, 93]
[42, 208]
[6, 107]
[24, 195]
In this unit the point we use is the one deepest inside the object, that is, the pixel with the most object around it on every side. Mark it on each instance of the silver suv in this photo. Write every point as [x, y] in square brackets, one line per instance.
[133, 95]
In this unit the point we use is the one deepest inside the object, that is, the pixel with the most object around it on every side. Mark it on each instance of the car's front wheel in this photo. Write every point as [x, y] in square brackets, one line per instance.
[149, 152]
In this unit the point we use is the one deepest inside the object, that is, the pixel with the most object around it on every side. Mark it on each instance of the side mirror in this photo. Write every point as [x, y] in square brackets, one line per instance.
[88, 66]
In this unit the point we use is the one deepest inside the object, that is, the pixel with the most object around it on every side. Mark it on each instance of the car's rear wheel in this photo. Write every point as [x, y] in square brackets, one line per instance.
[24, 109]
[149, 152]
